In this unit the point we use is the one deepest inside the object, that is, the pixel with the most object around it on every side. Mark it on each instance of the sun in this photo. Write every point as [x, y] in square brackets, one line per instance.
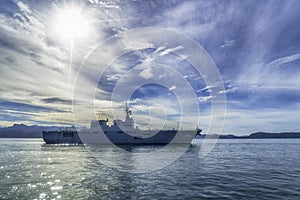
[71, 23]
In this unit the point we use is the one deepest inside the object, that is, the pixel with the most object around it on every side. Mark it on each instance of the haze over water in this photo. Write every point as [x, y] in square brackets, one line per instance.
[235, 169]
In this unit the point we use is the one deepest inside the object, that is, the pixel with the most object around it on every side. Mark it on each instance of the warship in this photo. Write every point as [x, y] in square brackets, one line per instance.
[119, 132]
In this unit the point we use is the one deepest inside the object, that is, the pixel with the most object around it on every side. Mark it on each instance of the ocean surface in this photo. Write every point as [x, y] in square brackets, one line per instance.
[234, 169]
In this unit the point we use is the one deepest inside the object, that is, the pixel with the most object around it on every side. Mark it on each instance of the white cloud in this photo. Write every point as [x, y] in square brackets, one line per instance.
[283, 60]
[170, 50]
[192, 18]
[146, 73]
[228, 43]
[24, 7]
[137, 44]
[204, 99]
[172, 88]
[159, 49]
[206, 88]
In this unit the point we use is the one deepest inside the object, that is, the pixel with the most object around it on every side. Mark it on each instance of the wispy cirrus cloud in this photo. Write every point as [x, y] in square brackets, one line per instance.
[248, 40]
[283, 60]
[34, 65]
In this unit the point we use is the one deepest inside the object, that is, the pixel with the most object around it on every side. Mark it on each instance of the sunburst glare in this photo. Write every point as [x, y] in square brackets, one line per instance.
[72, 22]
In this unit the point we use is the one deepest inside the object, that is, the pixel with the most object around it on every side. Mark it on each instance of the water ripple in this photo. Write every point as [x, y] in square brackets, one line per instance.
[235, 169]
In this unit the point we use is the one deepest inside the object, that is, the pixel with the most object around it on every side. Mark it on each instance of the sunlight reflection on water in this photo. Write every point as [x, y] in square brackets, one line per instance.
[235, 169]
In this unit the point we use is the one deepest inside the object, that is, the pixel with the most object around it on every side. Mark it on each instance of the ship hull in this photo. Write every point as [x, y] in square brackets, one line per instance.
[61, 137]
[89, 137]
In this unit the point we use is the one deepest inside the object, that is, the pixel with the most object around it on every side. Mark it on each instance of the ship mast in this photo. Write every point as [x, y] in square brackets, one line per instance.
[127, 110]
[128, 119]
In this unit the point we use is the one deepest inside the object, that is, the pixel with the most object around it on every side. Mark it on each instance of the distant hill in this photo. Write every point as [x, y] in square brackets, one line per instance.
[258, 135]
[24, 131]
[275, 135]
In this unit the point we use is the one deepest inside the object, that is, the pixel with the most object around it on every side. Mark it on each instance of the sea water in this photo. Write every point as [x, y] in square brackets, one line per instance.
[234, 169]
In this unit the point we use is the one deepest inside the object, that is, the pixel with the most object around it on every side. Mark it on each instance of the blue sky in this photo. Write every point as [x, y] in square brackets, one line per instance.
[254, 44]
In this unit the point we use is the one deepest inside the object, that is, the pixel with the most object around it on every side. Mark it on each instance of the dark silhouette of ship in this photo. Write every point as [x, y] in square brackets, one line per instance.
[120, 132]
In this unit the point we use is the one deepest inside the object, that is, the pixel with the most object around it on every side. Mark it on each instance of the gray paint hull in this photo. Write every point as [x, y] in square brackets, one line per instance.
[144, 137]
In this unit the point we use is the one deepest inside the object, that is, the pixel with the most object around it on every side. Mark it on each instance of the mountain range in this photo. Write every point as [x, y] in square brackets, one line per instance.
[24, 131]
[35, 131]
